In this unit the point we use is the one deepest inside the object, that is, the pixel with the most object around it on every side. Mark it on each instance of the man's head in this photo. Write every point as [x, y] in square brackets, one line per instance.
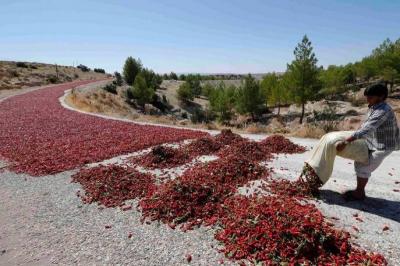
[376, 93]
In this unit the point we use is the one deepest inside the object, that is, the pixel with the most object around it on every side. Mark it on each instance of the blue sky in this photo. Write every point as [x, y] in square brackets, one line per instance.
[193, 36]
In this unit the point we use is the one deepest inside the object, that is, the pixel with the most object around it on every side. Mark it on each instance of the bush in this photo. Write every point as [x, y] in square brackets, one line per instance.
[164, 99]
[328, 119]
[52, 79]
[83, 68]
[13, 73]
[21, 64]
[201, 116]
[118, 78]
[111, 88]
[185, 93]
[132, 67]
[76, 76]
[33, 67]
[141, 91]
[99, 70]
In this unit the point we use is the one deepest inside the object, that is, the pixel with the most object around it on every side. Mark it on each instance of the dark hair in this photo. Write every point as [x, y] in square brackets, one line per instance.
[378, 89]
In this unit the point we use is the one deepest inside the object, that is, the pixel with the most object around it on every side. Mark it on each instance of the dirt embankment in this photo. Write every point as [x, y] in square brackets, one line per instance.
[22, 75]
[321, 116]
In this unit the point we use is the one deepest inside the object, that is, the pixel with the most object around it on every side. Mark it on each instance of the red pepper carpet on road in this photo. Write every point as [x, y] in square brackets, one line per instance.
[38, 136]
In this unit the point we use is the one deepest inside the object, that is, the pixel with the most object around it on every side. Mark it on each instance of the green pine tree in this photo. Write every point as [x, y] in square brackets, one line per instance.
[140, 91]
[132, 67]
[303, 74]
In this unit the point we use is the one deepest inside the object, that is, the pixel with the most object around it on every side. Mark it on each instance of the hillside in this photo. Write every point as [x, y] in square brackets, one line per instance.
[20, 75]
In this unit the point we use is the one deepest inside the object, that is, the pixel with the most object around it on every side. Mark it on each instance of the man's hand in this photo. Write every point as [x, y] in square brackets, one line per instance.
[341, 145]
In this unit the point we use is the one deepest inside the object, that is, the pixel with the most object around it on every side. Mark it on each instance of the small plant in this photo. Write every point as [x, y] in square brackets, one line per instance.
[99, 70]
[13, 73]
[52, 79]
[111, 88]
[201, 116]
[83, 68]
[76, 76]
[22, 64]
[185, 93]
[328, 119]
[118, 78]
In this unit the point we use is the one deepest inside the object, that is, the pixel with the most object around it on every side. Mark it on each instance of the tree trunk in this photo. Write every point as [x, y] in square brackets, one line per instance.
[279, 109]
[302, 113]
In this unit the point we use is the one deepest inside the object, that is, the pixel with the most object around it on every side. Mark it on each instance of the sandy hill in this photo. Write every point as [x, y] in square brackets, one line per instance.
[19, 75]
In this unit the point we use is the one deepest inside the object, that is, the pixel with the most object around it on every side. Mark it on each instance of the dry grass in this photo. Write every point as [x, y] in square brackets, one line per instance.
[100, 101]
[38, 74]
[308, 131]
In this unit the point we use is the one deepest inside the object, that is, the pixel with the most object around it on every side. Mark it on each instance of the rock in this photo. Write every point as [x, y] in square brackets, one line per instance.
[151, 110]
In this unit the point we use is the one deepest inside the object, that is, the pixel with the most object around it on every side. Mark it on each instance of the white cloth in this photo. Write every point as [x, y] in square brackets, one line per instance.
[323, 155]
[364, 170]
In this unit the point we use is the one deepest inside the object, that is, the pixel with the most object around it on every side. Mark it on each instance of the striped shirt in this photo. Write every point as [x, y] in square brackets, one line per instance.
[380, 129]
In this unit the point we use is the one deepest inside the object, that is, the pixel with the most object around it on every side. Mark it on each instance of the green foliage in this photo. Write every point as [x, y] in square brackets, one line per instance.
[52, 79]
[173, 76]
[140, 91]
[194, 84]
[83, 68]
[249, 97]
[389, 74]
[327, 119]
[222, 101]
[99, 70]
[206, 89]
[153, 80]
[118, 78]
[185, 93]
[132, 67]
[303, 74]
[201, 116]
[274, 89]
[182, 77]
[21, 64]
[111, 87]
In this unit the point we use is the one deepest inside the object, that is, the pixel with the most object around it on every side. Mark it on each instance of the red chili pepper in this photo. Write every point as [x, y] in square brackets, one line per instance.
[188, 258]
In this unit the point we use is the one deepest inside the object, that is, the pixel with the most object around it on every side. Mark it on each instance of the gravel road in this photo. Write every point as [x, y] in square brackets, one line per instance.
[44, 222]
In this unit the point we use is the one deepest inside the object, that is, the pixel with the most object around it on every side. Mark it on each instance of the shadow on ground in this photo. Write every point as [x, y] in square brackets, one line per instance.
[379, 206]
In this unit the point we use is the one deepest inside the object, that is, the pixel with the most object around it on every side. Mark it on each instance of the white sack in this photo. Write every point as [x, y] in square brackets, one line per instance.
[323, 155]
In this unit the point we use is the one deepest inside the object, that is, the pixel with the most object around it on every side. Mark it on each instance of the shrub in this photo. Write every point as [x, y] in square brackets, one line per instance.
[132, 67]
[141, 91]
[83, 68]
[99, 70]
[200, 116]
[328, 119]
[164, 99]
[22, 64]
[111, 88]
[13, 73]
[33, 67]
[118, 78]
[76, 76]
[52, 79]
[185, 93]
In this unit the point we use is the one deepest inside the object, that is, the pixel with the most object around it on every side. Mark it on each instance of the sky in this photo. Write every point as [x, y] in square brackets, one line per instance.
[193, 36]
